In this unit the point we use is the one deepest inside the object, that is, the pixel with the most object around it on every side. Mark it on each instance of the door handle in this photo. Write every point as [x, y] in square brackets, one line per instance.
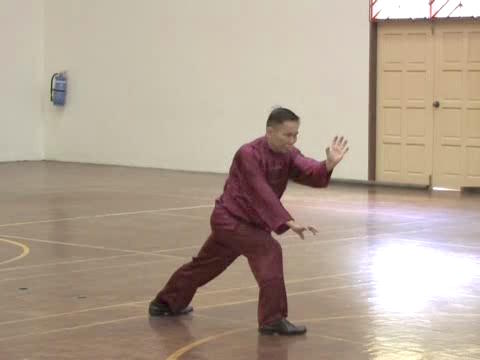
[436, 104]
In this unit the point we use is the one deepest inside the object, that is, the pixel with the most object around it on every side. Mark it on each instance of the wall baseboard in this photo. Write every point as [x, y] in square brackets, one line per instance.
[374, 183]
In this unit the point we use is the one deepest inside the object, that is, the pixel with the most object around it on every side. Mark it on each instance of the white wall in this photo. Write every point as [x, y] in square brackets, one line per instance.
[180, 84]
[21, 72]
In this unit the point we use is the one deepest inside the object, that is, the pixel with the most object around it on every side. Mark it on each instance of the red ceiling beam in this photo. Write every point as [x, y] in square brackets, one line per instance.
[436, 12]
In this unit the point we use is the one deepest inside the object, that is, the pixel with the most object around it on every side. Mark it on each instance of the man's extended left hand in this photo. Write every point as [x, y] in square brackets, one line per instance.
[336, 152]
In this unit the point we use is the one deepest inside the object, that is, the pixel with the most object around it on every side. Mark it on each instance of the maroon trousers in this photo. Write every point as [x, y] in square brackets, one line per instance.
[228, 240]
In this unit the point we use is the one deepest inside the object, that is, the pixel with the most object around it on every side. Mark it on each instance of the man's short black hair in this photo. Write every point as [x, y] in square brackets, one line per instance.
[279, 115]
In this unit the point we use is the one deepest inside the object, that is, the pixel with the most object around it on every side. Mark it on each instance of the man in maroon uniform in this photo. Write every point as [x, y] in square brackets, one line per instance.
[244, 217]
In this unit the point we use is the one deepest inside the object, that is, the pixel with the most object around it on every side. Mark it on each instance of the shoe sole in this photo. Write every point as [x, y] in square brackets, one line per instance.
[274, 332]
[185, 311]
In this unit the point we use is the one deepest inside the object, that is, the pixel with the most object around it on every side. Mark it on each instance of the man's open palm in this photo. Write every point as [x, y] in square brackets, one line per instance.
[336, 151]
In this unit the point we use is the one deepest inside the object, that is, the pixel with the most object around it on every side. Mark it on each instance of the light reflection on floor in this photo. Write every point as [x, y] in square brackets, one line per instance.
[414, 290]
[407, 277]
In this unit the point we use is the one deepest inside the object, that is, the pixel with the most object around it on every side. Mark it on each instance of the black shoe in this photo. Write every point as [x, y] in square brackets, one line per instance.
[282, 327]
[160, 309]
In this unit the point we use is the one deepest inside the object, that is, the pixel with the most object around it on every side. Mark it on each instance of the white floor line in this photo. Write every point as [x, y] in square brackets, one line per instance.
[64, 262]
[139, 302]
[106, 215]
[90, 246]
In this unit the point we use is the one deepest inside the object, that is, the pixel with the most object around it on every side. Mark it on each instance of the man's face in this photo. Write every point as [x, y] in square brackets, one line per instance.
[281, 138]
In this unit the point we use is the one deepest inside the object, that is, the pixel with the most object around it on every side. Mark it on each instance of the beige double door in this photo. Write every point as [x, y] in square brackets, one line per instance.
[428, 103]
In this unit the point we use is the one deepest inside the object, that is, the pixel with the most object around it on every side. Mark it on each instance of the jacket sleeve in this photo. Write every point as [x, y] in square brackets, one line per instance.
[310, 172]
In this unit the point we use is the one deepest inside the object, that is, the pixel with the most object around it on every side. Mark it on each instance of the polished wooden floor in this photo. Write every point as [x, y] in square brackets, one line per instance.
[393, 274]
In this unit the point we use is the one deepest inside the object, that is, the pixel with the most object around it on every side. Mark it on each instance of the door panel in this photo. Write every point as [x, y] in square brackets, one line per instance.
[405, 95]
[456, 160]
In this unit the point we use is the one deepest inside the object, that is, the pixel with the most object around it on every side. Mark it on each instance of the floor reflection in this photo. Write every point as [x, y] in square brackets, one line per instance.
[407, 277]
